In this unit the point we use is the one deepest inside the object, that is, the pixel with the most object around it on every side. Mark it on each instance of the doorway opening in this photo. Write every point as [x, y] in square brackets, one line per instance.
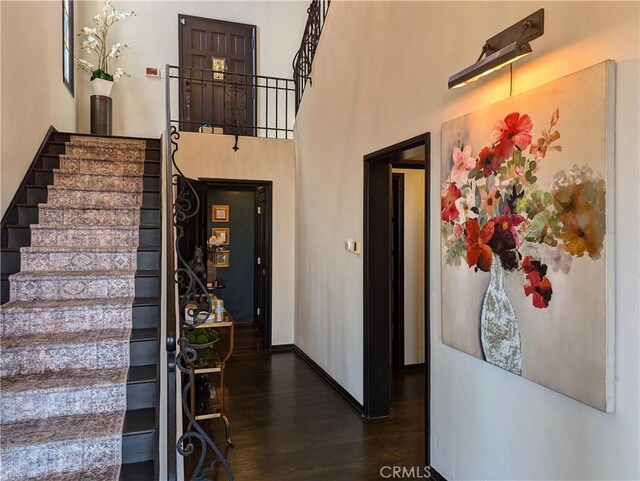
[397, 271]
[385, 263]
[243, 278]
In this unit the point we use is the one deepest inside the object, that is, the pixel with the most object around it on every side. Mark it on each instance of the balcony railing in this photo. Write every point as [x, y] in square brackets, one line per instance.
[303, 60]
[204, 100]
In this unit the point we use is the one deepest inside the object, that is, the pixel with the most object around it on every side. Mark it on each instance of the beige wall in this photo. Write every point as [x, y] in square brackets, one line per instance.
[211, 156]
[485, 423]
[32, 94]
[139, 101]
[414, 193]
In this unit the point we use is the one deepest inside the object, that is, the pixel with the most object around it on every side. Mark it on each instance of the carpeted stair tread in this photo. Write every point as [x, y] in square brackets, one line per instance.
[109, 167]
[83, 227]
[107, 141]
[87, 188]
[105, 152]
[63, 447]
[42, 304]
[62, 380]
[62, 393]
[108, 473]
[34, 341]
[64, 275]
[101, 249]
[60, 429]
[85, 235]
[95, 174]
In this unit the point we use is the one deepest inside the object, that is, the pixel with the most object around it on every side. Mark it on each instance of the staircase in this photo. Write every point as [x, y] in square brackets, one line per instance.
[79, 335]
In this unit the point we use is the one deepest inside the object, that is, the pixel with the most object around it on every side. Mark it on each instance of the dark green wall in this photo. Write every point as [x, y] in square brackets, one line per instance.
[239, 276]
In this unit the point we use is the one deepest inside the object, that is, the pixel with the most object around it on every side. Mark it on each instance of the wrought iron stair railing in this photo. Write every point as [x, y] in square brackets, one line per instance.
[185, 204]
[303, 60]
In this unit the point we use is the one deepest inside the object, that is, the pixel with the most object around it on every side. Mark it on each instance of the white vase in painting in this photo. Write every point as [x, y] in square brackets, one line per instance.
[499, 330]
[101, 87]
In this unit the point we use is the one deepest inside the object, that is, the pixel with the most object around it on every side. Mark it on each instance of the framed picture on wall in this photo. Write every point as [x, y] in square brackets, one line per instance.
[221, 232]
[220, 213]
[222, 258]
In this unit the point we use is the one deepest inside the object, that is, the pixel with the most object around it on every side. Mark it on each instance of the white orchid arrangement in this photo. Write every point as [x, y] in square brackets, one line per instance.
[94, 41]
[215, 242]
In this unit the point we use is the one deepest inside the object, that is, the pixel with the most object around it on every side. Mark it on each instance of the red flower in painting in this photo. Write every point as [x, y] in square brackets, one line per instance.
[508, 223]
[448, 202]
[488, 162]
[511, 132]
[479, 254]
[539, 288]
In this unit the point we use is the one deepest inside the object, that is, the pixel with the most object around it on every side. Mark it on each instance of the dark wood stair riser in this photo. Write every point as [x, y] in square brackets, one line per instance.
[145, 317]
[150, 200]
[151, 183]
[37, 195]
[28, 214]
[50, 162]
[149, 236]
[150, 216]
[148, 260]
[138, 447]
[141, 395]
[143, 471]
[42, 178]
[19, 236]
[147, 286]
[10, 261]
[143, 353]
[4, 290]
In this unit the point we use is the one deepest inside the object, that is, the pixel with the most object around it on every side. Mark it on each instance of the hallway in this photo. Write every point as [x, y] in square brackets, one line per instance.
[288, 424]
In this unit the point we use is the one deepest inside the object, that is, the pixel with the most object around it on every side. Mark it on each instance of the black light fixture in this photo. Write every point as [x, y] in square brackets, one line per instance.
[502, 49]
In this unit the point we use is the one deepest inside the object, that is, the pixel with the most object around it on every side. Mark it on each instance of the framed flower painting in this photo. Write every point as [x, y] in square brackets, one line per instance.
[527, 235]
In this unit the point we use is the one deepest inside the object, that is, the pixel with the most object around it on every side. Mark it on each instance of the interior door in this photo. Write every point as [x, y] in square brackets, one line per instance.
[217, 84]
[262, 267]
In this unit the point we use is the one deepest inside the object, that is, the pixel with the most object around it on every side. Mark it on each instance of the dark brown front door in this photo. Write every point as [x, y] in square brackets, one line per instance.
[217, 83]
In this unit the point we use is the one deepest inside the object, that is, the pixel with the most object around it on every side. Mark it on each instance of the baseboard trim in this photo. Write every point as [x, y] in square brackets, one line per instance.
[281, 348]
[435, 475]
[332, 382]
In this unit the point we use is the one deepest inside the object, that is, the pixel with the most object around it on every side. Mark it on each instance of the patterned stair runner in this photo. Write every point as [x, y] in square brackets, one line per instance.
[65, 332]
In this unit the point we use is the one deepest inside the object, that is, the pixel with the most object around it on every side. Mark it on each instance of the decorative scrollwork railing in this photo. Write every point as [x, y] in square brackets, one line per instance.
[232, 103]
[193, 291]
[303, 60]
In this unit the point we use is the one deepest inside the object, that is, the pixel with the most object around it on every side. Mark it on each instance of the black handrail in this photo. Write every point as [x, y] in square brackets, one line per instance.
[303, 60]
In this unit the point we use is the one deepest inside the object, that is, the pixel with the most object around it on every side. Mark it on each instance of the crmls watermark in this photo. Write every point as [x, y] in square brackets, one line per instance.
[404, 472]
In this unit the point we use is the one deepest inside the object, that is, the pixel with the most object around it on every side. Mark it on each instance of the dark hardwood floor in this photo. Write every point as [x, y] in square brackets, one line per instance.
[288, 424]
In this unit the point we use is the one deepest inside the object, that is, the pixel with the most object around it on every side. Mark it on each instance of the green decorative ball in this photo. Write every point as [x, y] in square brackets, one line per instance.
[212, 335]
[202, 339]
[191, 337]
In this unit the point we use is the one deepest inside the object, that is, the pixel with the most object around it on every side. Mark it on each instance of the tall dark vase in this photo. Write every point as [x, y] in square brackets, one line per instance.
[101, 114]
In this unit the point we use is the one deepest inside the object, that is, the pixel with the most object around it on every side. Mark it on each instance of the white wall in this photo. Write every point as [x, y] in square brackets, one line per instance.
[138, 101]
[486, 423]
[32, 94]
[413, 265]
[211, 156]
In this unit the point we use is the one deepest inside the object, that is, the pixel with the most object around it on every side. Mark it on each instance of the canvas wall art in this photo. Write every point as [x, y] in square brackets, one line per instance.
[527, 235]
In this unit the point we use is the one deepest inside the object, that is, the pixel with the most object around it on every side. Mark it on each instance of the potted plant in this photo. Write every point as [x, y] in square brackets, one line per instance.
[95, 41]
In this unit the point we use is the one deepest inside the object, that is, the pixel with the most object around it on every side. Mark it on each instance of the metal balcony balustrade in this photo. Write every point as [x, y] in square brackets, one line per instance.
[206, 100]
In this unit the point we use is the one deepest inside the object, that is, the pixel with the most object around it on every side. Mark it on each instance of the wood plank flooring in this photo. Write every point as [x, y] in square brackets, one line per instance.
[288, 424]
